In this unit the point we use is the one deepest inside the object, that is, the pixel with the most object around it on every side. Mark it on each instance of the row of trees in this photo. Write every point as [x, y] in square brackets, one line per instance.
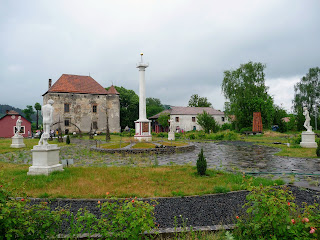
[246, 92]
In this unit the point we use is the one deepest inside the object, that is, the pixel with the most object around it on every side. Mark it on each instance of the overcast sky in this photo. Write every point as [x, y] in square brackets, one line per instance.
[188, 44]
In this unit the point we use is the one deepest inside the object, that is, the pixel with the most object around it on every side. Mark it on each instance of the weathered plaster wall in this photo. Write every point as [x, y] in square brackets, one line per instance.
[185, 121]
[81, 111]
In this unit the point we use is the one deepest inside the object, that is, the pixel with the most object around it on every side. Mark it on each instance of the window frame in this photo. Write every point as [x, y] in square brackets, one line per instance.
[65, 107]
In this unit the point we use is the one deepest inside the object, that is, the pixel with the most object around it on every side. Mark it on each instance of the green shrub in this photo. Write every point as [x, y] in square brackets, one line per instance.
[192, 136]
[227, 126]
[296, 140]
[162, 134]
[272, 214]
[201, 135]
[231, 136]
[246, 129]
[318, 150]
[201, 164]
[68, 140]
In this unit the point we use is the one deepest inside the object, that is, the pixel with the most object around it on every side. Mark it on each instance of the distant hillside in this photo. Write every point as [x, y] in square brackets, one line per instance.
[5, 107]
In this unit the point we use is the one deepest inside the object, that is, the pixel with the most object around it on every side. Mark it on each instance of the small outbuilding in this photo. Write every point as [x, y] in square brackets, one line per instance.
[8, 125]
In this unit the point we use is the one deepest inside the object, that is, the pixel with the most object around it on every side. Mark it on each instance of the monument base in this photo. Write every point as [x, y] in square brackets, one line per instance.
[308, 140]
[45, 159]
[171, 136]
[17, 142]
[143, 130]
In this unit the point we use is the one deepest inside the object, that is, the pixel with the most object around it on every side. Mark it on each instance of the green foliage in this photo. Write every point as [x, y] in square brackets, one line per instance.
[307, 91]
[68, 140]
[129, 107]
[221, 189]
[201, 164]
[28, 112]
[37, 107]
[163, 119]
[153, 106]
[272, 214]
[279, 114]
[318, 150]
[227, 126]
[207, 122]
[197, 101]
[245, 88]
[246, 129]
[123, 219]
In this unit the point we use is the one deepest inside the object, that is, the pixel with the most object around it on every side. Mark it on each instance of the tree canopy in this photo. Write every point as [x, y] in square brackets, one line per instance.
[28, 111]
[154, 106]
[197, 101]
[163, 119]
[307, 91]
[246, 91]
[129, 107]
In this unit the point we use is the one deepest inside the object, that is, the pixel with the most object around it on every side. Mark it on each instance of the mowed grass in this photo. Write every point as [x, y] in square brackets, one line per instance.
[29, 142]
[173, 143]
[269, 138]
[114, 145]
[94, 182]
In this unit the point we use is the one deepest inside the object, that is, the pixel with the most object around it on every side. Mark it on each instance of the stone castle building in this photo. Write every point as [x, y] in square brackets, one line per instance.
[80, 103]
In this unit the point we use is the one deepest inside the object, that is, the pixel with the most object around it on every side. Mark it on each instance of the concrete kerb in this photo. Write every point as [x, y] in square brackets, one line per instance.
[164, 150]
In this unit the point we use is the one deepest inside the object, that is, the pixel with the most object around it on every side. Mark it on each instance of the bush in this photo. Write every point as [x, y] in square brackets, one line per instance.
[192, 136]
[318, 150]
[246, 129]
[68, 140]
[201, 164]
[272, 213]
[227, 126]
[162, 134]
[296, 140]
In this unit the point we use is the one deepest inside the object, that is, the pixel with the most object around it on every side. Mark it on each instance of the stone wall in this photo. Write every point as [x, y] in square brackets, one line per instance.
[81, 111]
[164, 150]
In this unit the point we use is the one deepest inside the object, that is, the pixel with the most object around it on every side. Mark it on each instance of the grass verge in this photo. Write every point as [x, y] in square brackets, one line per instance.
[94, 182]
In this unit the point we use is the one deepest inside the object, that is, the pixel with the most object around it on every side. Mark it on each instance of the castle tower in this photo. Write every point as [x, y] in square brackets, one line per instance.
[142, 125]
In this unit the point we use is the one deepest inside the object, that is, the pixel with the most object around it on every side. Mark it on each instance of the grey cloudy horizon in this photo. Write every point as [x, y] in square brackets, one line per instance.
[188, 44]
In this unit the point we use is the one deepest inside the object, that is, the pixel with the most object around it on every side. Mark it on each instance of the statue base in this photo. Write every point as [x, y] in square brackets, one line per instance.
[308, 140]
[17, 142]
[45, 159]
[171, 136]
[143, 130]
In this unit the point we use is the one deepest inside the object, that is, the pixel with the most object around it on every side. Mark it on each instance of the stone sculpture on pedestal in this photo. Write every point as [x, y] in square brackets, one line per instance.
[17, 139]
[45, 156]
[171, 135]
[307, 137]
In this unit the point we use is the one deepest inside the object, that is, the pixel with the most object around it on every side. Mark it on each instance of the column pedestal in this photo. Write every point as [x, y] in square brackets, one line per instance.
[143, 130]
[308, 140]
[171, 136]
[17, 142]
[45, 159]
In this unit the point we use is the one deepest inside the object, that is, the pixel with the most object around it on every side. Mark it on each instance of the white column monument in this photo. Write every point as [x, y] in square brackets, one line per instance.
[307, 137]
[171, 135]
[45, 156]
[142, 125]
[17, 139]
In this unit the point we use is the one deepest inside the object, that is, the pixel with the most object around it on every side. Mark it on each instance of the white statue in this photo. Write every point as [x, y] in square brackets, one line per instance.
[171, 125]
[47, 113]
[307, 122]
[18, 125]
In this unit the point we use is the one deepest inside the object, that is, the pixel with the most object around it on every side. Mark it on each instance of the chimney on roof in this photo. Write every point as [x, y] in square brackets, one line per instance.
[7, 111]
[50, 82]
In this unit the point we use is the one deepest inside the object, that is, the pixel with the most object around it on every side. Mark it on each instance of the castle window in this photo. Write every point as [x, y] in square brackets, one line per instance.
[66, 107]
[222, 119]
[193, 119]
[67, 122]
[94, 125]
[94, 108]
[177, 119]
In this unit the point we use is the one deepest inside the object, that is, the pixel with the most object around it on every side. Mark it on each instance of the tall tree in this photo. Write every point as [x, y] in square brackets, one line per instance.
[154, 106]
[197, 101]
[129, 107]
[163, 119]
[247, 93]
[37, 106]
[28, 111]
[307, 93]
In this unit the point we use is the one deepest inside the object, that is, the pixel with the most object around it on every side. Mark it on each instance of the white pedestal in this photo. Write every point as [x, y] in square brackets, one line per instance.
[308, 140]
[143, 131]
[45, 159]
[17, 142]
[171, 136]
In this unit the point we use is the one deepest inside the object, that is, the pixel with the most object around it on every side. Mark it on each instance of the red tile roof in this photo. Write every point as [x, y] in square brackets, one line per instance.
[189, 111]
[77, 84]
[113, 90]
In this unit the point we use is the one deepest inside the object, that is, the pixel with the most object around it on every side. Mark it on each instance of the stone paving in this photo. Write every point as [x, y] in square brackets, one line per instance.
[230, 156]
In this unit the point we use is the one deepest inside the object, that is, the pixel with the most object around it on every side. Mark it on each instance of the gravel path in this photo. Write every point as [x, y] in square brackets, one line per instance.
[208, 210]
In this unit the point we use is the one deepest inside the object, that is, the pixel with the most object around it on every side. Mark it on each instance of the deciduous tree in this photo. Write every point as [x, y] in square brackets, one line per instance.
[163, 119]
[37, 106]
[154, 106]
[28, 111]
[207, 122]
[247, 93]
[197, 101]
